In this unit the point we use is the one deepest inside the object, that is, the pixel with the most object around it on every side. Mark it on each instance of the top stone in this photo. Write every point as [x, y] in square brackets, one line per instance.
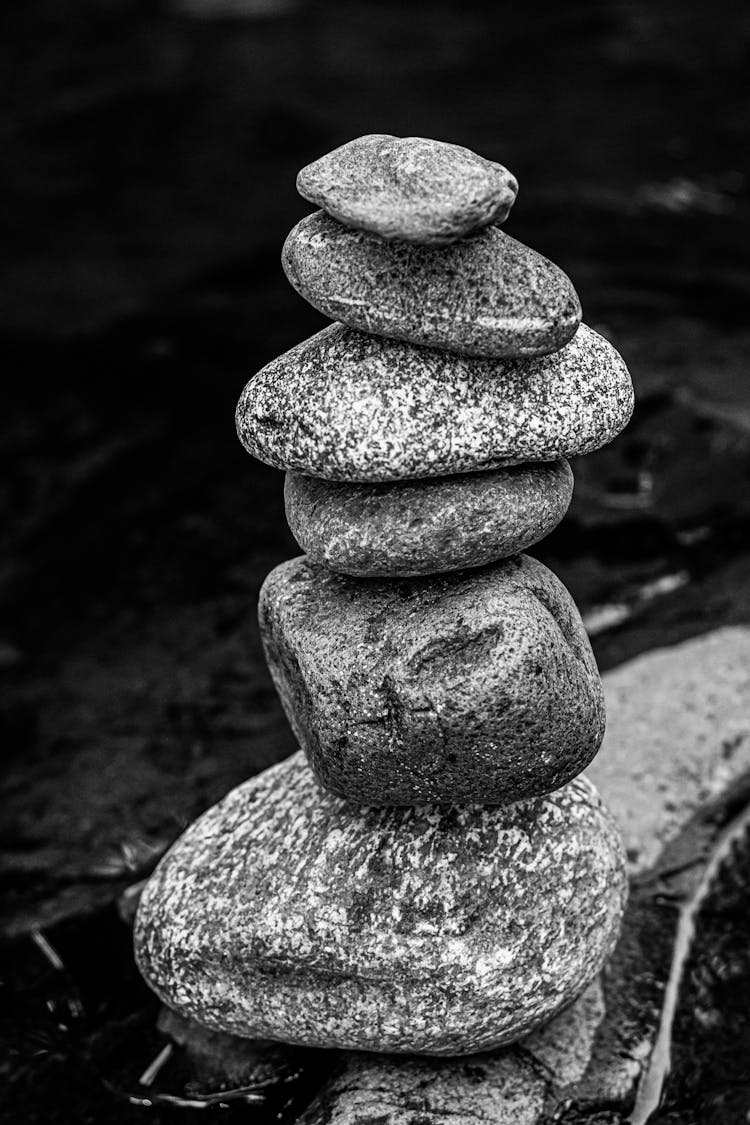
[409, 188]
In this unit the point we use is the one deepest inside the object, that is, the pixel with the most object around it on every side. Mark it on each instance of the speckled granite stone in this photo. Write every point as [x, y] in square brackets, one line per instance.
[409, 188]
[487, 295]
[475, 686]
[286, 913]
[344, 405]
[426, 526]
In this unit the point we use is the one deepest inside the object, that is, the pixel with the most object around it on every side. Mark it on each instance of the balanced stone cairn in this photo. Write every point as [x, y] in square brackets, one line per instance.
[429, 874]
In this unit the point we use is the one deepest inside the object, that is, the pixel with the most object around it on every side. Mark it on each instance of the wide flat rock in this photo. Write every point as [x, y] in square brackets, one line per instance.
[479, 686]
[345, 405]
[287, 913]
[487, 295]
[426, 526]
[409, 188]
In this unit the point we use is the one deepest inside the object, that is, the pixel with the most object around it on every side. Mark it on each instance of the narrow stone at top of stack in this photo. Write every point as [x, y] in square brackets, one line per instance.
[409, 188]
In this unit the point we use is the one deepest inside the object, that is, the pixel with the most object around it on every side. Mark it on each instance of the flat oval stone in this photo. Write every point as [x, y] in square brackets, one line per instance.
[487, 295]
[478, 686]
[409, 188]
[426, 526]
[344, 405]
[284, 913]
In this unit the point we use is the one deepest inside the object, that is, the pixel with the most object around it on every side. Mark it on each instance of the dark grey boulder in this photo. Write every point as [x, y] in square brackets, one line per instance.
[479, 686]
[409, 188]
[345, 405]
[426, 526]
[487, 295]
[286, 913]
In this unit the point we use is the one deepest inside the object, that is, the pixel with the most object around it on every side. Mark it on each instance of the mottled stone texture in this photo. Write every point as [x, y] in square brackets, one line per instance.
[487, 295]
[484, 1090]
[344, 405]
[478, 686]
[679, 736]
[409, 188]
[426, 526]
[287, 913]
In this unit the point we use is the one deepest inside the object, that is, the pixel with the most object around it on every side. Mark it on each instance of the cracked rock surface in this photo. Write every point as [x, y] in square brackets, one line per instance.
[285, 912]
[345, 405]
[487, 295]
[477, 686]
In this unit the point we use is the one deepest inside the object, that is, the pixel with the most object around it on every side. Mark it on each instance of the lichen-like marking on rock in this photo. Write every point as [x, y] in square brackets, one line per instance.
[344, 405]
[285, 913]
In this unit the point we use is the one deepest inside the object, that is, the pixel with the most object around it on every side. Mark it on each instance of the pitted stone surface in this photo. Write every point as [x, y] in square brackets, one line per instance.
[482, 1090]
[426, 526]
[476, 686]
[344, 405]
[286, 913]
[409, 188]
[487, 295]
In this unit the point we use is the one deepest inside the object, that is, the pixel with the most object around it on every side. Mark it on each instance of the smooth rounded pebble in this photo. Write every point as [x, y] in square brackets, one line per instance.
[479, 686]
[285, 913]
[487, 295]
[426, 526]
[409, 188]
[344, 405]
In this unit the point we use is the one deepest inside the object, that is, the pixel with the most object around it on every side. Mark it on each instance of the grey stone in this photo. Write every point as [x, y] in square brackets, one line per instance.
[487, 295]
[563, 1046]
[483, 1090]
[678, 735]
[286, 913]
[478, 686]
[344, 405]
[426, 526]
[409, 188]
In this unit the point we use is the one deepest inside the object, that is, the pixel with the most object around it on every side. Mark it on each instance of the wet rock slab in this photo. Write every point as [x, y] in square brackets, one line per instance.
[487, 295]
[426, 526]
[344, 405]
[478, 686]
[286, 913]
[410, 188]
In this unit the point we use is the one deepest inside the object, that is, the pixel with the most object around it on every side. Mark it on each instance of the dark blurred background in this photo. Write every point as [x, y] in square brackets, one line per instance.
[150, 153]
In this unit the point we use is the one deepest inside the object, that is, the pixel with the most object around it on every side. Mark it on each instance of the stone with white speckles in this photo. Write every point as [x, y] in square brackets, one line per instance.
[286, 913]
[478, 686]
[426, 526]
[345, 405]
[409, 188]
[487, 295]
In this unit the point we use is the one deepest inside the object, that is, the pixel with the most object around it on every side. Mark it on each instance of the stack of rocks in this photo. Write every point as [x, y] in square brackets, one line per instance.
[430, 874]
